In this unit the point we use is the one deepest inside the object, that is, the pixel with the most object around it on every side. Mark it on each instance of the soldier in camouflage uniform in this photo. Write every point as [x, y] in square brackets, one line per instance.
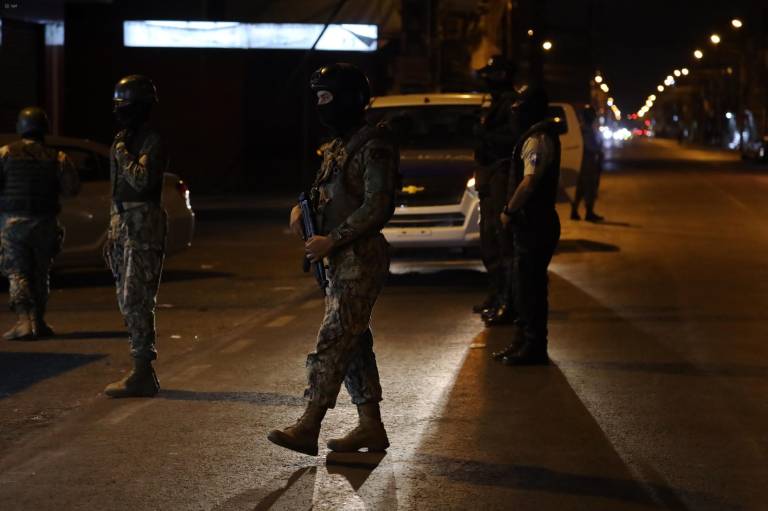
[32, 177]
[135, 246]
[353, 195]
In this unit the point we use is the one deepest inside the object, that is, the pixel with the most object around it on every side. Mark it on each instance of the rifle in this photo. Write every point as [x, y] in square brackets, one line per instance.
[309, 230]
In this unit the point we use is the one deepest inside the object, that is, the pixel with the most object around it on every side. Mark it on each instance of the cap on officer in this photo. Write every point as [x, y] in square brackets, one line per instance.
[133, 90]
[32, 122]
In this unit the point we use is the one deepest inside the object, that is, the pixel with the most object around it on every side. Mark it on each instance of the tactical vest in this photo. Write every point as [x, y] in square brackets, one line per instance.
[122, 190]
[30, 180]
[541, 204]
[345, 201]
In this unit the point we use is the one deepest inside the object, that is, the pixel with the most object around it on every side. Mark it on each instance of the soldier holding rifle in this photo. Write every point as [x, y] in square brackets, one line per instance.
[353, 198]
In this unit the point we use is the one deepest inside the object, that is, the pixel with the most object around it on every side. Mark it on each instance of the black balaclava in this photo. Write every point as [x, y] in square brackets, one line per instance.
[132, 116]
[531, 107]
[350, 94]
[342, 113]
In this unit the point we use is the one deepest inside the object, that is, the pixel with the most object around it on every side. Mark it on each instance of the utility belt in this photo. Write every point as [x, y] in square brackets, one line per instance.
[119, 207]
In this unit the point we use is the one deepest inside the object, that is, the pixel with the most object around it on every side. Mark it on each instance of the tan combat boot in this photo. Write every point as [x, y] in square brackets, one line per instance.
[23, 329]
[301, 437]
[369, 432]
[140, 382]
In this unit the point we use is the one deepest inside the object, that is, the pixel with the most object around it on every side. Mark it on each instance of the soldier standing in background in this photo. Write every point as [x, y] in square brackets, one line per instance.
[497, 135]
[591, 168]
[32, 178]
[353, 196]
[135, 246]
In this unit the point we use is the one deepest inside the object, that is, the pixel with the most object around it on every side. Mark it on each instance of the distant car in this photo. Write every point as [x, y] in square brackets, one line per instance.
[86, 216]
[438, 205]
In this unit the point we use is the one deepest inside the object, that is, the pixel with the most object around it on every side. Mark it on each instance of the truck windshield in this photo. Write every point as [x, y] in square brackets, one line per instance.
[430, 126]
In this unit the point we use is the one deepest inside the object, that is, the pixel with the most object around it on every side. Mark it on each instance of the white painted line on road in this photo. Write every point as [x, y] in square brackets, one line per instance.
[312, 304]
[237, 346]
[120, 415]
[280, 321]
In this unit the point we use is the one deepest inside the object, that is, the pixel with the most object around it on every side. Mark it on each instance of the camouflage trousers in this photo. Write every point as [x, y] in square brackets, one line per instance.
[28, 245]
[344, 351]
[134, 252]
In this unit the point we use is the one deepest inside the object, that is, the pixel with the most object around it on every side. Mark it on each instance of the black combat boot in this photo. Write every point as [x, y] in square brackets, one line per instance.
[302, 436]
[23, 330]
[369, 433]
[529, 354]
[488, 303]
[514, 346]
[140, 382]
[42, 329]
[591, 216]
[575, 214]
[503, 315]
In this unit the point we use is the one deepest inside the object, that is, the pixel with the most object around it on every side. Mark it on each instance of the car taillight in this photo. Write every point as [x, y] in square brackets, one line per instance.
[183, 190]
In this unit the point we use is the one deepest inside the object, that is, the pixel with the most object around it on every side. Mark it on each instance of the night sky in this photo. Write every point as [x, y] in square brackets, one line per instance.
[638, 43]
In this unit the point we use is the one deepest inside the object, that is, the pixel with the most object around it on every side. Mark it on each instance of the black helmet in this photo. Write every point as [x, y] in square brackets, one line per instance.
[32, 122]
[350, 93]
[532, 105]
[343, 80]
[135, 89]
[498, 70]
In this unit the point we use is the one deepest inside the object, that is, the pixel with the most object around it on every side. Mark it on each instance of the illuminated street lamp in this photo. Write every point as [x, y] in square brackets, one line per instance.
[736, 23]
[685, 71]
[547, 45]
[715, 39]
[604, 87]
[660, 88]
[698, 54]
[610, 102]
[652, 97]
[530, 32]
[677, 73]
[598, 79]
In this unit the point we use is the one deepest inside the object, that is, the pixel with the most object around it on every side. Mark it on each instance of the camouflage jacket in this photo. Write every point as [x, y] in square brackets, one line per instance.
[68, 178]
[354, 190]
[137, 163]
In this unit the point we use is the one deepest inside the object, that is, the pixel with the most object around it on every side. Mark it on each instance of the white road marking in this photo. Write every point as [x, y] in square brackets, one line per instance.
[123, 413]
[237, 346]
[280, 321]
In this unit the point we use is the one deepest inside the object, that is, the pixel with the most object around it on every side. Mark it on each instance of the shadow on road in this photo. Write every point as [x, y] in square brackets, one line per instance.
[102, 278]
[523, 436]
[255, 398]
[440, 278]
[19, 370]
[84, 336]
[567, 246]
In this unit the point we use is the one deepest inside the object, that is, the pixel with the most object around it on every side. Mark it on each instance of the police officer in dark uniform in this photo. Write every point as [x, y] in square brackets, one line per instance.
[32, 178]
[135, 246]
[497, 135]
[531, 215]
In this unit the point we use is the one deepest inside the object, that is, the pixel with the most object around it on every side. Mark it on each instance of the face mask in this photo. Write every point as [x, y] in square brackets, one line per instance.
[131, 116]
[335, 113]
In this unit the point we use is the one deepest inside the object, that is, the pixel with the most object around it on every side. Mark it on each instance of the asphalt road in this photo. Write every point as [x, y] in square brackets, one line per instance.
[656, 398]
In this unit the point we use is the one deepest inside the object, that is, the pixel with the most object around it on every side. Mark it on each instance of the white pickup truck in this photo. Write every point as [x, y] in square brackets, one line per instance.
[438, 205]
